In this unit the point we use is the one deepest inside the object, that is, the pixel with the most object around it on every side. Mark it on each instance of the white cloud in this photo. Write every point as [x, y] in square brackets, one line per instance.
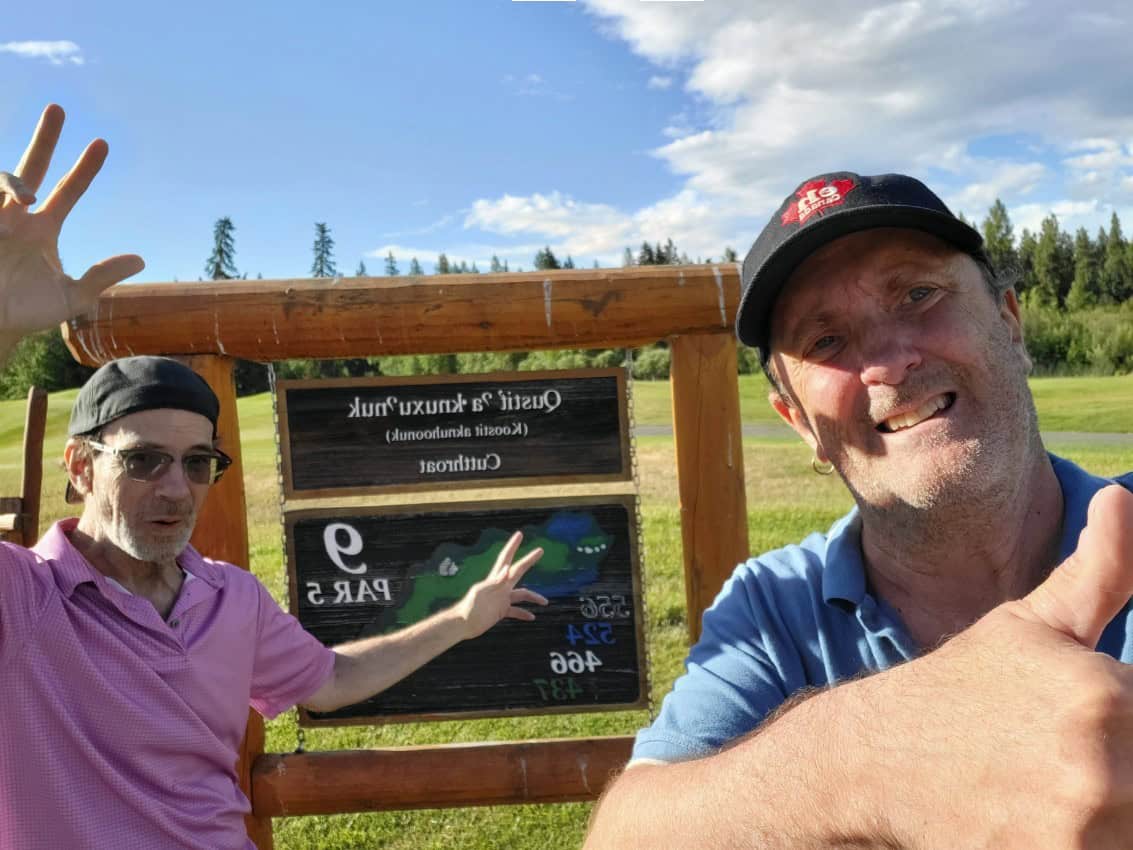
[697, 225]
[659, 83]
[1071, 215]
[55, 52]
[942, 90]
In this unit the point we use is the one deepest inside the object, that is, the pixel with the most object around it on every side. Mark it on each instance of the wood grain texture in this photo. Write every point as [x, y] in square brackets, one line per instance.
[274, 320]
[710, 466]
[551, 771]
[222, 533]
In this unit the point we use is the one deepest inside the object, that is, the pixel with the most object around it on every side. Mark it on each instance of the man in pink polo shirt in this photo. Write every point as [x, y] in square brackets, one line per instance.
[128, 660]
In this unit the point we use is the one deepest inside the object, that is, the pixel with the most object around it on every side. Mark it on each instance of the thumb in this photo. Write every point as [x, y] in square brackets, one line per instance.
[102, 275]
[1090, 587]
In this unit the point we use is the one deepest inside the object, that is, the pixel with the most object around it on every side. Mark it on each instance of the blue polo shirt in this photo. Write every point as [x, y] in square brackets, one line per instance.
[801, 617]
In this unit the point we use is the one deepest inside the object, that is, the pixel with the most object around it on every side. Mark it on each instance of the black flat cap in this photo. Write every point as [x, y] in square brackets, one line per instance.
[133, 384]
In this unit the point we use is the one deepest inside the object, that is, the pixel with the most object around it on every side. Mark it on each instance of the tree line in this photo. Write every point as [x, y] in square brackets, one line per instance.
[1076, 291]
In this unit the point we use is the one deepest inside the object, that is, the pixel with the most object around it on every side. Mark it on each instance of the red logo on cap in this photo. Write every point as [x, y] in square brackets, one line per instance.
[817, 195]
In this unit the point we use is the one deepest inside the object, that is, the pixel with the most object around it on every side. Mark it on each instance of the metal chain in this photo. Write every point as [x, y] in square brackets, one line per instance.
[635, 468]
[300, 735]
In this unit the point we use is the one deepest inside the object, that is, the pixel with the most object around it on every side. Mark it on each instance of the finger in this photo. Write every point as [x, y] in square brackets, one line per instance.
[1088, 589]
[514, 613]
[37, 157]
[508, 552]
[520, 567]
[525, 594]
[76, 181]
[12, 187]
[101, 276]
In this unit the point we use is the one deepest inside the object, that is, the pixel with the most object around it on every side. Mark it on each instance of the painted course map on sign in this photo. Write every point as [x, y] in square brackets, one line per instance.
[372, 571]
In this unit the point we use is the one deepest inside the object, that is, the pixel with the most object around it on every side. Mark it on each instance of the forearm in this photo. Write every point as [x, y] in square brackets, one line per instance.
[805, 779]
[366, 667]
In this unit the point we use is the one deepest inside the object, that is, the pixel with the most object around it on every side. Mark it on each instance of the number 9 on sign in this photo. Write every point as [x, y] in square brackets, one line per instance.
[337, 547]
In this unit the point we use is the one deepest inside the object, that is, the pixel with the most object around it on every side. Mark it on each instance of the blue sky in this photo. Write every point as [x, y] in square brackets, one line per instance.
[490, 126]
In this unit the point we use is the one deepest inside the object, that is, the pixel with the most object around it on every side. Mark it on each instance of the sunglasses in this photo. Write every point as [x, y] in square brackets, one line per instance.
[151, 464]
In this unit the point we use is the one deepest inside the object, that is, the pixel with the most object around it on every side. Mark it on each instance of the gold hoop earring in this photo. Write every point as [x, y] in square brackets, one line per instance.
[821, 468]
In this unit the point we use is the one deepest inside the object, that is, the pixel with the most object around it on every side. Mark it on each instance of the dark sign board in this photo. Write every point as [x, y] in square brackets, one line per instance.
[372, 435]
[357, 572]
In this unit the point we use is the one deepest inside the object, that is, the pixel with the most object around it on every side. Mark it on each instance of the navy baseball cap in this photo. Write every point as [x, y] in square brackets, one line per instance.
[133, 384]
[823, 209]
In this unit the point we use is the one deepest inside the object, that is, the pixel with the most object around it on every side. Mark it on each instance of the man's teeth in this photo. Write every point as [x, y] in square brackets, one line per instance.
[908, 420]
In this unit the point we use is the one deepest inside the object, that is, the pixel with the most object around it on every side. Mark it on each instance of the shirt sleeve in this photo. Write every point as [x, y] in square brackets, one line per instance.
[731, 681]
[290, 663]
[25, 586]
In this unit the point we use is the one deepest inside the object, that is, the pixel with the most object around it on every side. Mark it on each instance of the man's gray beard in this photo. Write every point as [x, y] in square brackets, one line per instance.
[118, 530]
[150, 551]
[987, 476]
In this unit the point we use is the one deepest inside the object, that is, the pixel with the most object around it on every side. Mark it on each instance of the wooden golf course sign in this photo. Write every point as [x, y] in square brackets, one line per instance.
[211, 324]
[358, 572]
[358, 436]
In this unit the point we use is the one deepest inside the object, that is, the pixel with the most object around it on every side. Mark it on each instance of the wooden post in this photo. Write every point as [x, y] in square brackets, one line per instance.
[710, 465]
[222, 533]
[30, 493]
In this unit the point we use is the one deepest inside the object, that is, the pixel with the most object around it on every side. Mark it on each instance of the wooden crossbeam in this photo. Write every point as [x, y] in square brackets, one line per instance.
[356, 317]
[549, 771]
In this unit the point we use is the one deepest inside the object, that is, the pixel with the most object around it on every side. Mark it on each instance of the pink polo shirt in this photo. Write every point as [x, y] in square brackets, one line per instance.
[120, 730]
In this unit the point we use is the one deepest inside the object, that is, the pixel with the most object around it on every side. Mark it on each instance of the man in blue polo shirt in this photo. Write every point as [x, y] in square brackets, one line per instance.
[896, 352]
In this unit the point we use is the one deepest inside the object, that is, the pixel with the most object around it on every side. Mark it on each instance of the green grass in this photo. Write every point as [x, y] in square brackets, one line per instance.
[785, 499]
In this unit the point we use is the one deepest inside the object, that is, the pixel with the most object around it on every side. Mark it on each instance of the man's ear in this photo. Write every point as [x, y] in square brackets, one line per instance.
[77, 461]
[1012, 315]
[790, 413]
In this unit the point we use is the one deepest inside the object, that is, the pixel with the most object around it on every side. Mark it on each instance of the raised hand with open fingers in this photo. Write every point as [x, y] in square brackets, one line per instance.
[35, 292]
[496, 597]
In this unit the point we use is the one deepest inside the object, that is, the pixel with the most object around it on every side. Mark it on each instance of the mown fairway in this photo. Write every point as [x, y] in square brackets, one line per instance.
[786, 500]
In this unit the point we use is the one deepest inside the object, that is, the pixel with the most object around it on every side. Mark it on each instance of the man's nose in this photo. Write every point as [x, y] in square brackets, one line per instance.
[888, 354]
[173, 483]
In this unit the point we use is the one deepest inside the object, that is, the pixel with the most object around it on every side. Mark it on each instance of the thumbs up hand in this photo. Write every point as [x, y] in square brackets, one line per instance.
[1015, 733]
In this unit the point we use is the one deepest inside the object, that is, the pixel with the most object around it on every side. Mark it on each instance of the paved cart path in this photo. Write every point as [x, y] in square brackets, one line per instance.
[763, 429]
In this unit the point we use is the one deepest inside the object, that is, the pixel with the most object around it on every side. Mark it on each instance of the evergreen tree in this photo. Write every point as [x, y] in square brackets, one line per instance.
[472, 269]
[495, 265]
[506, 268]
[670, 253]
[999, 238]
[391, 265]
[1084, 290]
[415, 268]
[221, 264]
[1116, 272]
[1054, 264]
[646, 257]
[361, 270]
[627, 258]
[729, 255]
[1028, 245]
[442, 264]
[323, 264]
[568, 263]
[546, 259]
